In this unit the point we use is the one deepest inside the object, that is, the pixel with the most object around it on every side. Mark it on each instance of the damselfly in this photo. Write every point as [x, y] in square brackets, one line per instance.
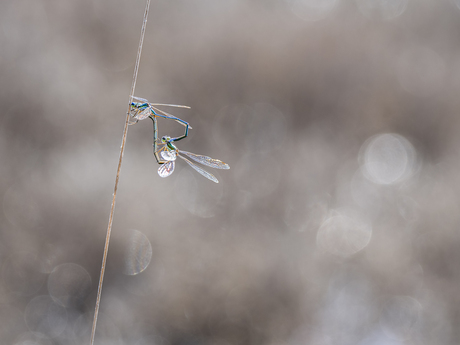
[144, 109]
[169, 152]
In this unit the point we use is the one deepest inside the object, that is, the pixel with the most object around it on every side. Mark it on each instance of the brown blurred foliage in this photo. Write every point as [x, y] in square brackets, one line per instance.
[296, 244]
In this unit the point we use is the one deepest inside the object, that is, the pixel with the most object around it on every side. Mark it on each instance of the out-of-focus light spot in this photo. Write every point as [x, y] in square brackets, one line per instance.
[33, 338]
[421, 71]
[197, 194]
[20, 208]
[82, 326]
[349, 307]
[137, 252]
[311, 10]
[400, 317]
[21, 274]
[68, 335]
[382, 9]
[344, 233]
[69, 284]
[259, 174]
[144, 285]
[388, 159]
[43, 315]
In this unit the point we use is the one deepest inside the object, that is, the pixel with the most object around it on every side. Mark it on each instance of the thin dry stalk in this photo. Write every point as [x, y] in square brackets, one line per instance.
[122, 149]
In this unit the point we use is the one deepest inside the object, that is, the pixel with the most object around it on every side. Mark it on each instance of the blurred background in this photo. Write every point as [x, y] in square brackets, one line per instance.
[338, 222]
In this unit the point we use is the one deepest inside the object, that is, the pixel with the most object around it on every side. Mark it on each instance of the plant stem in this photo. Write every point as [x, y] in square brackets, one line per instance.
[122, 149]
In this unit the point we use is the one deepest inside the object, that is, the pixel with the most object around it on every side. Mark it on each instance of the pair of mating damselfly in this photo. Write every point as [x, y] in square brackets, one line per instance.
[164, 149]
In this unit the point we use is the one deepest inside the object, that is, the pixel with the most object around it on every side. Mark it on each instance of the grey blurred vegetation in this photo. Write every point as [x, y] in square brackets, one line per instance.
[338, 222]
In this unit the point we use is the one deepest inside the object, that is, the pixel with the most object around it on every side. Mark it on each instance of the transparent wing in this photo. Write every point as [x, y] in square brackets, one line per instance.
[166, 169]
[205, 160]
[143, 100]
[171, 105]
[132, 121]
[201, 171]
[137, 114]
[168, 155]
[133, 116]
[142, 114]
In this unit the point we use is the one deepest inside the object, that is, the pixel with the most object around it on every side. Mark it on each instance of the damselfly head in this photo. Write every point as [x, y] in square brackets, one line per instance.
[134, 107]
[137, 105]
[165, 139]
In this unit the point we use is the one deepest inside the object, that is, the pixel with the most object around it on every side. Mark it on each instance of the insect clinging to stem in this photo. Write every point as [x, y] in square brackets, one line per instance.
[169, 152]
[144, 109]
